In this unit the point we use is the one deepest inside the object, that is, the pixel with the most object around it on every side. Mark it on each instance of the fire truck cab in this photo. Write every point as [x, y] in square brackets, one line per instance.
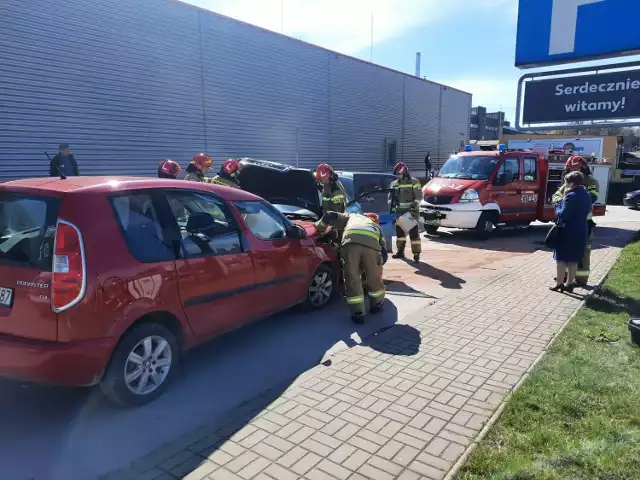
[480, 190]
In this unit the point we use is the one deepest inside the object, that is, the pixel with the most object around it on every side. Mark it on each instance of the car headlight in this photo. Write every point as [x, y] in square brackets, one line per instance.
[469, 196]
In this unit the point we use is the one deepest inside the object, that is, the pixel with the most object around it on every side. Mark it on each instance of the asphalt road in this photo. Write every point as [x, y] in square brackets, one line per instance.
[56, 433]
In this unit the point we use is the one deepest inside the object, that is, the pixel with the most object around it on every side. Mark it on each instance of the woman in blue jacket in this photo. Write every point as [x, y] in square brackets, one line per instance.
[573, 233]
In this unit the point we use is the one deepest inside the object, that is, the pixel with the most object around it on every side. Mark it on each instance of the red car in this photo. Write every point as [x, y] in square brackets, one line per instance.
[108, 280]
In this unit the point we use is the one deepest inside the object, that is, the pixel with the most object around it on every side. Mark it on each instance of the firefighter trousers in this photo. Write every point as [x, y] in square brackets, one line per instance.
[414, 236]
[584, 267]
[354, 256]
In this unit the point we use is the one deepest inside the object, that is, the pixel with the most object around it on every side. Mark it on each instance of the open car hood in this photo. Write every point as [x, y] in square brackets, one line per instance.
[281, 185]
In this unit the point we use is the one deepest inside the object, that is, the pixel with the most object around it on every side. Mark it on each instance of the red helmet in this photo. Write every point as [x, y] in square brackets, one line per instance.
[202, 160]
[231, 167]
[576, 161]
[324, 172]
[169, 169]
[374, 217]
[400, 167]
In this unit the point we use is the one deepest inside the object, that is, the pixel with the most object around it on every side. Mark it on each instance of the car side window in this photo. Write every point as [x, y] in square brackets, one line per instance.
[138, 219]
[530, 169]
[511, 169]
[206, 224]
[264, 222]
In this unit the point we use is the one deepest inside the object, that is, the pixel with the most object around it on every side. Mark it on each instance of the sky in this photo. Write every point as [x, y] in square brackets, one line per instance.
[466, 44]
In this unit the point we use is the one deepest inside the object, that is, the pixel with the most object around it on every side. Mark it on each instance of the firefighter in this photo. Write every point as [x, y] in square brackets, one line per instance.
[169, 169]
[228, 175]
[198, 168]
[362, 246]
[576, 163]
[405, 197]
[333, 199]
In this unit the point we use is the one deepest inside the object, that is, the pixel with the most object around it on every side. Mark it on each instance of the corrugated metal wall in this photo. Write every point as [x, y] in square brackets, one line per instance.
[130, 83]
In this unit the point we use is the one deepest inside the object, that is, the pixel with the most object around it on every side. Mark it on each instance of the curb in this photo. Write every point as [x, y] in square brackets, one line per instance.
[498, 413]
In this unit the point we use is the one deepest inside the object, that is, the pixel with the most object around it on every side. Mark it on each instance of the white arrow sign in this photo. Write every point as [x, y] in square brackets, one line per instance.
[564, 20]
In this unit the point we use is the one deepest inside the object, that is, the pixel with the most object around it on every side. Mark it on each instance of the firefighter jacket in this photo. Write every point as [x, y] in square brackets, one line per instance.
[225, 181]
[590, 184]
[358, 229]
[406, 195]
[333, 198]
[195, 175]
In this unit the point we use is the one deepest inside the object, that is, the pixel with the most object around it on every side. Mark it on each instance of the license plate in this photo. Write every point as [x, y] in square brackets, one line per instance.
[6, 295]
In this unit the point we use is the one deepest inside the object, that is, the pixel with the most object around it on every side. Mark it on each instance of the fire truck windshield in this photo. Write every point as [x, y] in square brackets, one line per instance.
[469, 167]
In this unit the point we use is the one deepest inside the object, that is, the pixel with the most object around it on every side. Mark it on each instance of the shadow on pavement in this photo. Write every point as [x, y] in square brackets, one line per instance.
[396, 287]
[502, 240]
[608, 301]
[395, 340]
[446, 279]
[69, 428]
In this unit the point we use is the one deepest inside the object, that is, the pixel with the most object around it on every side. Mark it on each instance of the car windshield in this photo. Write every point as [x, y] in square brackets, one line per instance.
[469, 167]
[347, 183]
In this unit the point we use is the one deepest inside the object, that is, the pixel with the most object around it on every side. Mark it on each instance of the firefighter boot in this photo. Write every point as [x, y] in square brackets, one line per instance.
[401, 242]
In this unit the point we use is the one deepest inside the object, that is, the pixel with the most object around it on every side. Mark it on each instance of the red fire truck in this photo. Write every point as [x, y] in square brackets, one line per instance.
[480, 190]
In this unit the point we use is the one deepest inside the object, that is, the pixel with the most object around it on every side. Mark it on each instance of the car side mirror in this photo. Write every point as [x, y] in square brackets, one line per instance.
[296, 232]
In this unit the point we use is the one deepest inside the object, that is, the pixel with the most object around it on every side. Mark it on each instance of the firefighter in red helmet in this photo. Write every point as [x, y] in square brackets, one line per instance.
[577, 163]
[333, 197]
[198, 168]
[169, 169]
[228, 175]
[405, 197]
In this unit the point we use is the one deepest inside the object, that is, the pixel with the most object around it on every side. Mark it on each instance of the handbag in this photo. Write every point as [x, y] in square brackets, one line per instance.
[551, 240]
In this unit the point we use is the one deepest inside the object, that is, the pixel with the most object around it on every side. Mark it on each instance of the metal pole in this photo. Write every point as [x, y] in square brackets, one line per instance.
[371, 49]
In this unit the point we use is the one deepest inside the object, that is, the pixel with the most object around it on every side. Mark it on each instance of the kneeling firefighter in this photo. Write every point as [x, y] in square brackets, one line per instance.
[362, 245]
[333, 198]
[405, 197]
[198, 168]
[228, 175]
[574, 164]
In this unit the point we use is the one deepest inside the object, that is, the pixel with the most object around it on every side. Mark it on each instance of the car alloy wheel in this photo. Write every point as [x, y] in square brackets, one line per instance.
[321, 288]
[147, 365]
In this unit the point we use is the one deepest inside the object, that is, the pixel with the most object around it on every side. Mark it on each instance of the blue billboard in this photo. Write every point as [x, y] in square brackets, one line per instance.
[563, 31]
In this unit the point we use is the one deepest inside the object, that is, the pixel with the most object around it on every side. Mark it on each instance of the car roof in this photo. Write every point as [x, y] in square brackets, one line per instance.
[109, 184]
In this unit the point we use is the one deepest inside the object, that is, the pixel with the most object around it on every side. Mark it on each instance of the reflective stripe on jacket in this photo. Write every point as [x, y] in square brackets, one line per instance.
[406, 194]
[218, 180]
[357, 228]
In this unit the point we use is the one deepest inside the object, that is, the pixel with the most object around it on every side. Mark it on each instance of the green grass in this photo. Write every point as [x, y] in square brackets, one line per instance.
[577, 416]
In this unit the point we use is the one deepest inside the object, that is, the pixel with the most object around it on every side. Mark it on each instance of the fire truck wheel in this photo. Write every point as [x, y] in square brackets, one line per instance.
[484, 228]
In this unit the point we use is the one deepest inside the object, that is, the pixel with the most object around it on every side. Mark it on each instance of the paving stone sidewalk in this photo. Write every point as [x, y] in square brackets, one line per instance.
[404, 404]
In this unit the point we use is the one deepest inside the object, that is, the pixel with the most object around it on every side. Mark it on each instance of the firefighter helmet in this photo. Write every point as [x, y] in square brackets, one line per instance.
[400, 168]
[576, 161]
[202, 160]
[324, 172]
[169, 169]
[373, 216]
[231, 167]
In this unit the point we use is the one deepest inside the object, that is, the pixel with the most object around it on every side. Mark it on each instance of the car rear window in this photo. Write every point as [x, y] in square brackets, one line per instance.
[28, 229]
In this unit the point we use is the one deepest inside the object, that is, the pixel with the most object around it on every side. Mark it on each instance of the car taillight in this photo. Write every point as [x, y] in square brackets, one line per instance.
[69, 274]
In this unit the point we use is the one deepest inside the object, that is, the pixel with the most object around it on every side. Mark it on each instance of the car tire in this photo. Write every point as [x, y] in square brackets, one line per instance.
[152, 344]
[431, 229]
[484, 227]
[321, 288]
